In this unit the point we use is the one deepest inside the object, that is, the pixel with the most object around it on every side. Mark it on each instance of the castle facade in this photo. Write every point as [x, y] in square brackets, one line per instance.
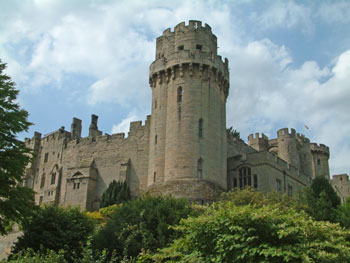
[183, 148]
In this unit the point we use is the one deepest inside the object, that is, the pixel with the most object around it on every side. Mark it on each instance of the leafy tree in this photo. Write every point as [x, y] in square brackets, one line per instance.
[55, 228]
[16, 201]
[321, 184]
[141, 224]
[343, 214]
[255, 234]
[320, 200]
[233, 133]
[116, 193]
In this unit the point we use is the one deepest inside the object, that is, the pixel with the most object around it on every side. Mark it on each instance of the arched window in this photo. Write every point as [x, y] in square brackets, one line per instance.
[200, 168]
[179, 94]
[200, 128]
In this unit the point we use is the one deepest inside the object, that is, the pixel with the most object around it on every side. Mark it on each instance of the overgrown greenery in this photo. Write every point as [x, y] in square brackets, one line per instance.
[141, 224]
[56, 228]
[116, 193]
[251, 231]
[16, 201]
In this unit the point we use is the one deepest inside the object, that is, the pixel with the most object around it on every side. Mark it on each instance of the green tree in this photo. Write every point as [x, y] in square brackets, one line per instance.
[56, 228]
[116, 193]
[16, 201]
[343, 214]
[229, 233]
[320, 200]
[233, 133]
[141, 224]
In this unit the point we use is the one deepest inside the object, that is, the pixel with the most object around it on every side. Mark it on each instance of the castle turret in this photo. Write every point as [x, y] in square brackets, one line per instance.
[305, 157]
[287, 146]
[190, 86]
[257, 142]
[76, 128]
[320, 157]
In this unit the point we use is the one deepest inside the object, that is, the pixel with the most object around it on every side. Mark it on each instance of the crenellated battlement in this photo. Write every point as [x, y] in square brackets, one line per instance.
[302, 138]
[257, 136]
[286, 132]
[319, 148]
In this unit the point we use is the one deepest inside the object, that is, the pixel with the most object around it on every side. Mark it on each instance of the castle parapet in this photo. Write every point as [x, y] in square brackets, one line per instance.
[285, 132]
[259, 143]
[319, 148]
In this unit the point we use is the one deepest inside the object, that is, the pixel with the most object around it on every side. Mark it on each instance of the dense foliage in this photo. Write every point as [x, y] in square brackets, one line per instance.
[56, 228]
[247, 233]
[16, 201]
[141, 224]
[116, 193]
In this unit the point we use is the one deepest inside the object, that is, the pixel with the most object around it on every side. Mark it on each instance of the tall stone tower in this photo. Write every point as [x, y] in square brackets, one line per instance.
[320, 157]
[190, 85]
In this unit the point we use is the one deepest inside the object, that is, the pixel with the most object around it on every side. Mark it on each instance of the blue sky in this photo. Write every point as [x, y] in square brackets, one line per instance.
[289, 63]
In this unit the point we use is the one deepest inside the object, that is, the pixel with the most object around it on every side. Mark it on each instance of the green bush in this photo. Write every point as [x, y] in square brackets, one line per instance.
[55, 228]
[255, 234]
[141, 224]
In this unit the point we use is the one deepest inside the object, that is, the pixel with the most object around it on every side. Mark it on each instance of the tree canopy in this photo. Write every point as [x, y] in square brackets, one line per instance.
[116, 193]
[16, 201]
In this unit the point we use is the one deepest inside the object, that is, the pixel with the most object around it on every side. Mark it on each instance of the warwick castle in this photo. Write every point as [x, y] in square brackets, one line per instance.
[183, 148]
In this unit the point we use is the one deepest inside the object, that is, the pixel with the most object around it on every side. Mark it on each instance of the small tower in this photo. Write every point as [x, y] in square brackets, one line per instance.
[190, 86]
[320, 157]
[287, 146]
[258, 143]
[305, 157]
[76, 128]
[93, 129]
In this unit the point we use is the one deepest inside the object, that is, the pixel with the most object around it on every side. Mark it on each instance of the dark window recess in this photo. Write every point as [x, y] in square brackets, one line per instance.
[180, 47]
[200, 128]
[318, 162]
[290, 190]
[278, 185]
[200, 168]
[179, 113]
[179, 94]
[155, 139]
[42, 183]
[255, 181]
[76, 185]
[53, 178]
[46, 157]
[199, 47]
[234, 182]
[245, 178]
[154, 177]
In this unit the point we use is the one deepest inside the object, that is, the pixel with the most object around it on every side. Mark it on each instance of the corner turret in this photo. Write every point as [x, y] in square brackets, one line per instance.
[258, 143]
[320, 157]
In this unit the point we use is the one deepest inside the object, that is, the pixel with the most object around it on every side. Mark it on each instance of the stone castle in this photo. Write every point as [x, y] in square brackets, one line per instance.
[183, 148]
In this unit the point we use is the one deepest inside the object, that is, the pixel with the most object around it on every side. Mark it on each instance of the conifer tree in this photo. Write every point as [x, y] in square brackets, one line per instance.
[116, 193]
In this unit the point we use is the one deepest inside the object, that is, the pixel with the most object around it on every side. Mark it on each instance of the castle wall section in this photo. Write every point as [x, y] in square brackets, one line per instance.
[341, 185]
[114, 157]
[47, 165]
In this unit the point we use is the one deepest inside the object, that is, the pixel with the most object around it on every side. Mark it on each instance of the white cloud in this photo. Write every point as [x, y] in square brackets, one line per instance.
[124, 125]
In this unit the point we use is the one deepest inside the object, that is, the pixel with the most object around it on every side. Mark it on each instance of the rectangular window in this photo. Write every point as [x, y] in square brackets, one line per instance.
[78, 185]
[154, 177]
[318, 162]
[199, 47]
[180, 47]
[53, 178]
[255, 181]
[41, 200]
[74, 185]
[46, 157]
[278, 185]
[290, 190]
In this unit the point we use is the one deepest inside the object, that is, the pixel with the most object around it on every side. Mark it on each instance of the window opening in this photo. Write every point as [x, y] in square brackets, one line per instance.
[155, 139]
[180, 47]
[179, 94]
[318, 162]
[199, 47]
[200, 128]
[53, 178]
[234, 182]
[46, 157]
[255, 181]
[290, 190]
[42, 183]
[154, 177]
[245, 178]
[200, 168]
[278, 185]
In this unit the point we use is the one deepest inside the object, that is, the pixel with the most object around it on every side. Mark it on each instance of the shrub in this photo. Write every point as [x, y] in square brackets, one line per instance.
[141, 224]
[55, 228]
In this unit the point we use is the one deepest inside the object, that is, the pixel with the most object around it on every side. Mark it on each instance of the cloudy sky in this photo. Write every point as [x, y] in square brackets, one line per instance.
[289, 63]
